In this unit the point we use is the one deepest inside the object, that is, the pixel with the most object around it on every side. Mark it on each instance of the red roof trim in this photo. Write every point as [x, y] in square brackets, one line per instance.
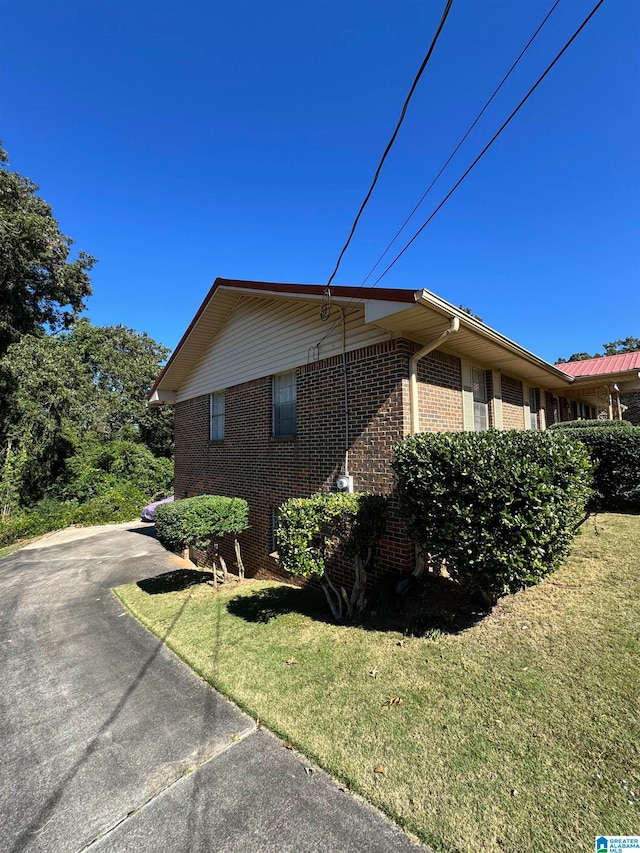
[355, 293]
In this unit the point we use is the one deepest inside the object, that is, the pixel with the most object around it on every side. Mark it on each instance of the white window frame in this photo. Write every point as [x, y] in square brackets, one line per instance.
[284, 398]
[216, 416]
[480, 392]
[532, 419]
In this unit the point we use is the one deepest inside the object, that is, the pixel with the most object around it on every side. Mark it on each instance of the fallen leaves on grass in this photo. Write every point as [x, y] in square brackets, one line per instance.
[392, 700]
[379, 769]
[287, 746]
[291, 661]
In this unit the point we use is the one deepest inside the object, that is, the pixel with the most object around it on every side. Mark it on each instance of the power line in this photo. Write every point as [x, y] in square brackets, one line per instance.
[393, 137]
[491, 141]
[461, 142]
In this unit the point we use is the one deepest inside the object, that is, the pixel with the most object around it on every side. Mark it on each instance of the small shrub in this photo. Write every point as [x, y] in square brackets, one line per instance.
[14, 528]
[99, 467]
[591, 424]
[45, 516]
[615, 453]
[122, 502]
[311, 530]
[500, 508]
[198, 522]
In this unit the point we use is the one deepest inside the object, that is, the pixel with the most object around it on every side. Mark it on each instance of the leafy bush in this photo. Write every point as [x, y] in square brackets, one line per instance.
[615, 452]
[45, 516]
[201, 520]
[592, 424]
[500, 508]
[99, 467]
[122, 502]
[14, 528]
[311, 530]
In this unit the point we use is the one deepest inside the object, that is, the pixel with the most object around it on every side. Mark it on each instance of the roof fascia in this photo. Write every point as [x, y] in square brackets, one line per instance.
[430, 300]
[607, 378]
[315, 292]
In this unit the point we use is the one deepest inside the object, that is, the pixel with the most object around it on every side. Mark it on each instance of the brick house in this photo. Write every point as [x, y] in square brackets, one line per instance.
[611, 381]
[279, 390]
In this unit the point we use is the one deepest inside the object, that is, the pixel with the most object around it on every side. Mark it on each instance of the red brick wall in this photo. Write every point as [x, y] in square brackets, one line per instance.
[251, 464]
[440, 392]
[512, 403]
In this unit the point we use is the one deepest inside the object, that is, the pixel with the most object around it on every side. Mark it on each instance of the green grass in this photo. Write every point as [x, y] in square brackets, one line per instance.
[10, 549]
[518, 733]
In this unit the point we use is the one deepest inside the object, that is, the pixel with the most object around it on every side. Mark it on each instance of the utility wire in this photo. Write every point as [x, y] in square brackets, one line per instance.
[393, 137]
[491, 141]
[460, 144]
[326, 308]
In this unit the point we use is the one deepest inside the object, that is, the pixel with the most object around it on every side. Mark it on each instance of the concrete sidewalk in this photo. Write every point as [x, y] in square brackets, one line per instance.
[110, 742]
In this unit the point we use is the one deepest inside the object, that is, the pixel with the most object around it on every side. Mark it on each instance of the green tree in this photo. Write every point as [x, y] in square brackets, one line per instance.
[60, 392]
[46, 405]
[622, 345]
[470, 313]
[579, 356]
[40, 288]
[123, 365]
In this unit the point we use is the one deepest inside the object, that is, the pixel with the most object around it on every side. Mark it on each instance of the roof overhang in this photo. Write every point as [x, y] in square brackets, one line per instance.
[220, 302]
[419, 315]
[630, 379]
[430, 315]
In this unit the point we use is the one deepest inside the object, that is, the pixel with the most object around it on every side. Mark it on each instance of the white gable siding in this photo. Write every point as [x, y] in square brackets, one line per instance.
[262, 337]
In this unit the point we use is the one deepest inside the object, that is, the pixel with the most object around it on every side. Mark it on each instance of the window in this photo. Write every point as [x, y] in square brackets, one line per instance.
[216, 416]
[284, 403]
[533, 408]
[480, 400]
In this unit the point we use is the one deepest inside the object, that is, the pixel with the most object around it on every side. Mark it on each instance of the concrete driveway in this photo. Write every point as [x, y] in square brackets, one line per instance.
[110, 743]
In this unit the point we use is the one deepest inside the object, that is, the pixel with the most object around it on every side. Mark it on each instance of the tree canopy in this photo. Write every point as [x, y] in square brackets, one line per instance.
[622, 345]
[77, 441]
[40, 287]
[60, 391]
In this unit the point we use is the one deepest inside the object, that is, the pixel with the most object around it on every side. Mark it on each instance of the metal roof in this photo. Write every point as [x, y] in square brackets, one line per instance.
[602, 366]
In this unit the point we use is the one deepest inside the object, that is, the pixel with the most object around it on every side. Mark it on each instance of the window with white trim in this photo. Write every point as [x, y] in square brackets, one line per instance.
[533, 408]
[480, 400]
[284, 403]
[216, 416]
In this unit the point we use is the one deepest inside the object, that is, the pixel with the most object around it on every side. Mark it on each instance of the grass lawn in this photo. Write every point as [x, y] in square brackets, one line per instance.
[519, 733]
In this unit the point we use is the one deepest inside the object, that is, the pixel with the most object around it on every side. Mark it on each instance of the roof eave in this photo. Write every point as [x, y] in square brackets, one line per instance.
[430, 300]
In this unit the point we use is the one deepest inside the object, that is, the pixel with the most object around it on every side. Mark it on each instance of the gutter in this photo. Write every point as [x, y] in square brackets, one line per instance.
[430, 300]
[413, 372]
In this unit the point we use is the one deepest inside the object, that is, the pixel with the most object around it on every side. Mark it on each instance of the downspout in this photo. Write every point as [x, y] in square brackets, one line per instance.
[413, 372]
[346, 393]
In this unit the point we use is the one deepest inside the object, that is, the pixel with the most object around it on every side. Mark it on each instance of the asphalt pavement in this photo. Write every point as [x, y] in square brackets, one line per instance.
[109, 742]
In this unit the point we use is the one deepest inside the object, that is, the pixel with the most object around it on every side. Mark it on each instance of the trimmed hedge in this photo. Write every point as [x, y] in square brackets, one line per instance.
[312, 530]
[501, 508]
[200, 520]
[592, 424]
[615, 452]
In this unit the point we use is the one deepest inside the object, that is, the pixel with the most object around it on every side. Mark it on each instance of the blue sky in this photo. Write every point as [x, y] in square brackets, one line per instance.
[178, 142]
